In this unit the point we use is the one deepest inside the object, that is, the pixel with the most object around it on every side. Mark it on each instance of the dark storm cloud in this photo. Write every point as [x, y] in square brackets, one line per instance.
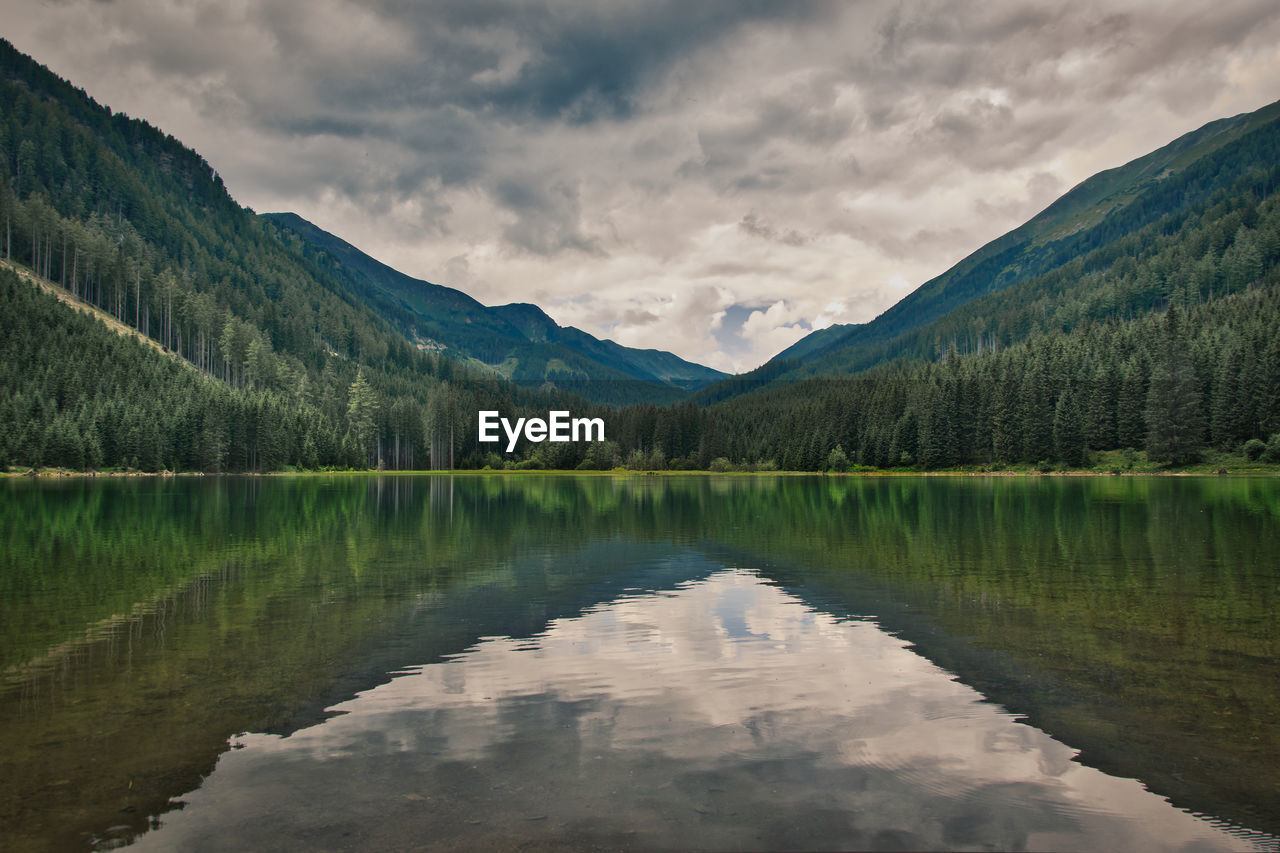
[464, 74]
[588, 62]
[577, 62]
[441, 80]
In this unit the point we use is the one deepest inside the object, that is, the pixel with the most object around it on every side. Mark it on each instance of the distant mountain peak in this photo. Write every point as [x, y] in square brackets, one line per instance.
[518, 340]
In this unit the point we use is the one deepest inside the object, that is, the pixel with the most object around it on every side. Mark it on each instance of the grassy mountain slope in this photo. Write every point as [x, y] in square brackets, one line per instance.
[519, 340]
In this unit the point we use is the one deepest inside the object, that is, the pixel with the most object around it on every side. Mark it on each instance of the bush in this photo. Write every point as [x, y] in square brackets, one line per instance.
[1253, 449]
[1272, 453]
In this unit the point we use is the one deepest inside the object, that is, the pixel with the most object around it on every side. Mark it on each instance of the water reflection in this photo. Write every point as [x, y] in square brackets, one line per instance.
[722, 714]
[143, 624]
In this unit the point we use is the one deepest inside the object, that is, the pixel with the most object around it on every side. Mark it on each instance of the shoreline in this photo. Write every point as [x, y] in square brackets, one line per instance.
[67, 474]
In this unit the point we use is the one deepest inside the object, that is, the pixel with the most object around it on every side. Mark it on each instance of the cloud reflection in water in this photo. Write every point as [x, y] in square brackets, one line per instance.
[722, 714]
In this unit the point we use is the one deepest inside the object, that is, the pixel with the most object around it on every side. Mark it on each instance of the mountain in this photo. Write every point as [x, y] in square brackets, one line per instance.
[294, 368]
[1138, 314]
[517, 341]
[1093, 221]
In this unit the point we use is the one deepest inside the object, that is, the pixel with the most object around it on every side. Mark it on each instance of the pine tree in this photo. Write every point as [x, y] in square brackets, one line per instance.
[937, 431]
[1037, 414]
[1068, 430]
[212, 440]
[1175, 411]
[362, 414]
[1104, 399]
[905, 444]
[1131, 422]
[1006, 434]
[1225, 426]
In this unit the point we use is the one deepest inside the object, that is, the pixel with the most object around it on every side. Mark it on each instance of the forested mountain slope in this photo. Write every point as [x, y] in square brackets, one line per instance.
[1069, 259]
[518, 341]
[1172, 385]
[128, 219]
[76, 394]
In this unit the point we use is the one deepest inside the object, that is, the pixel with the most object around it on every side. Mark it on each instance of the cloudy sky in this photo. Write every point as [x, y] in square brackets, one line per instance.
[711, 178]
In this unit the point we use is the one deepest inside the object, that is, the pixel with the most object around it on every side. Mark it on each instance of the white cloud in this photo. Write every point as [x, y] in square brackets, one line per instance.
[777, 327]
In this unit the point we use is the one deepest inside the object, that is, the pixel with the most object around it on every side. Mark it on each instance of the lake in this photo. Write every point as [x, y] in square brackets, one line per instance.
[364, 662]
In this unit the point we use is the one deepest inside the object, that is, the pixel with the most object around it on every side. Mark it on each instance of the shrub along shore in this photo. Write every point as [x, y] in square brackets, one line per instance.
[1114, 463]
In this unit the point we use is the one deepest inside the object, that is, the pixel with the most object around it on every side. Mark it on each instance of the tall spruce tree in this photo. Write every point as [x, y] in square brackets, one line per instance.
[362, 414]
[1068, 430]
[1175, 410]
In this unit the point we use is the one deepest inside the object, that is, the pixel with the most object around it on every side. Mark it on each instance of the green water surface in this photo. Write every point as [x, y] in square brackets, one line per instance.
[407, 662]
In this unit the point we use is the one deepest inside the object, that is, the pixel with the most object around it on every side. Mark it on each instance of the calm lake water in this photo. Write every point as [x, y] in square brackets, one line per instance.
[396, 663]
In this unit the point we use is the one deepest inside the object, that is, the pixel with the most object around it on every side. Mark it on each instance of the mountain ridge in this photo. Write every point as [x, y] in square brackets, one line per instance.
[1010, 259]
[518, 341]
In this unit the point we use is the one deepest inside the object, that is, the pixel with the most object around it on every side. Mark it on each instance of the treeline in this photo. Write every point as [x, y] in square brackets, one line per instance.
[1200, 375]
[1172, 384]
[75, 394]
